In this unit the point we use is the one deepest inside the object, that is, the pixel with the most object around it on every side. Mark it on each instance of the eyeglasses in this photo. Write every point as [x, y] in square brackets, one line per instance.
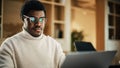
[35, 19]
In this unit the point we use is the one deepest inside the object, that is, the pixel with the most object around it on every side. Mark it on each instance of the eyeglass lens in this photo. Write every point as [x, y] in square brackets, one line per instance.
[33, 19]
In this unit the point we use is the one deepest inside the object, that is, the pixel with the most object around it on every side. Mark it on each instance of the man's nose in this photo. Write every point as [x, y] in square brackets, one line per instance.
[38, 23]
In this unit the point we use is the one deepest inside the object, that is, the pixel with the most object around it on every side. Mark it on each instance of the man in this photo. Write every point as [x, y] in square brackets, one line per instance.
[31, 48]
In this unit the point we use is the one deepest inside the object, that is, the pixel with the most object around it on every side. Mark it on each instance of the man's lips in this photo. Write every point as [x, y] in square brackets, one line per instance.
[37, 29]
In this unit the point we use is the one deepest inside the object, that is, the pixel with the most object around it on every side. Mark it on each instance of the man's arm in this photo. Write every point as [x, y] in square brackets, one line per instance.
[6, 59]
[60, 55]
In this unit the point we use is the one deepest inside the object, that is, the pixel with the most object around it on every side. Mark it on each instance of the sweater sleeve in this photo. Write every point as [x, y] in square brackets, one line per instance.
[6, 60]
[60, 56]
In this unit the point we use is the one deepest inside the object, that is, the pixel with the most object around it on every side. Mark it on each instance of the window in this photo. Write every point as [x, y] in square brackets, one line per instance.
[114, 20]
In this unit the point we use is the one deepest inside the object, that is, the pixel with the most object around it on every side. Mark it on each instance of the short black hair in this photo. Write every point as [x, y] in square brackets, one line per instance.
[31, 5]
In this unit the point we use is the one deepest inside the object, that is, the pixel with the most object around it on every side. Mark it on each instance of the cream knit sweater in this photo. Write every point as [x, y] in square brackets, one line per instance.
[25, 51]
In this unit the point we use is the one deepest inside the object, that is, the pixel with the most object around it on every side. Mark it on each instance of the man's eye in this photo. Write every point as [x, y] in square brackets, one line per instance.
[41, 19]
[32, 19]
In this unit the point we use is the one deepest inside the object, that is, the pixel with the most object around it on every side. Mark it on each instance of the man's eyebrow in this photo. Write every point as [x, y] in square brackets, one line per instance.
[39, 17]
[43, 17]
[31, 16]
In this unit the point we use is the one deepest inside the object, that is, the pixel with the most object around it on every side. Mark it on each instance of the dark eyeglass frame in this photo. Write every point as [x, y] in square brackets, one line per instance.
[41, 19]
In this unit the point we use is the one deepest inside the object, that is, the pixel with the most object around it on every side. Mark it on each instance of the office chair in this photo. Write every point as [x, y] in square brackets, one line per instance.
[84, 46]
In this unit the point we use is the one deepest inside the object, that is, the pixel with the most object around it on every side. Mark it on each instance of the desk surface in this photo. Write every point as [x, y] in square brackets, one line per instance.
[114, 66]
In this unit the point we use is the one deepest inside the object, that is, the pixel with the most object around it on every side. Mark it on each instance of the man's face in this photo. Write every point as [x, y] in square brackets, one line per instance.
[35, 22]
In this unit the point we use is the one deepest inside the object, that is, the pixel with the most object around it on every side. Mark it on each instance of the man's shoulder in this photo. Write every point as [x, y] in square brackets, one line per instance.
[51, 39]
[16, 35]
[13, 37]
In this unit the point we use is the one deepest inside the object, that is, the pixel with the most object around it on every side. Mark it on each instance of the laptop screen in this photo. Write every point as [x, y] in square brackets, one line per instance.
[84, 46]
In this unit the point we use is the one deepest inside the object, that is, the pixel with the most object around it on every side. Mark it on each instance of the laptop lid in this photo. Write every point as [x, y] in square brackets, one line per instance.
[90, 59]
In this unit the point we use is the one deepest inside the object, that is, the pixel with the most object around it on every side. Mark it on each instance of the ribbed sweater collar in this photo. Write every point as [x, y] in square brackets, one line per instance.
[29, 36]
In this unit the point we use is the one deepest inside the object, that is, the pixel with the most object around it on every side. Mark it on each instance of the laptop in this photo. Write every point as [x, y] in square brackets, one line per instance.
[90, 59]
[84, 46]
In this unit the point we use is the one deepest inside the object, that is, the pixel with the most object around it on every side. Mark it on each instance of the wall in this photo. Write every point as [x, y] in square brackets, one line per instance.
[12, 11]
[11, 17]
[84, 20]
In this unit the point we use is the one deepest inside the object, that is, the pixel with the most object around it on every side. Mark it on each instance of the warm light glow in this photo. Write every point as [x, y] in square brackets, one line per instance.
[76, 26]
[84, 12]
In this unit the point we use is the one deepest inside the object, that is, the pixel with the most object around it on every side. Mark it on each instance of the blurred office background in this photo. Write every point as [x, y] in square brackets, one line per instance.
[95, 21]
